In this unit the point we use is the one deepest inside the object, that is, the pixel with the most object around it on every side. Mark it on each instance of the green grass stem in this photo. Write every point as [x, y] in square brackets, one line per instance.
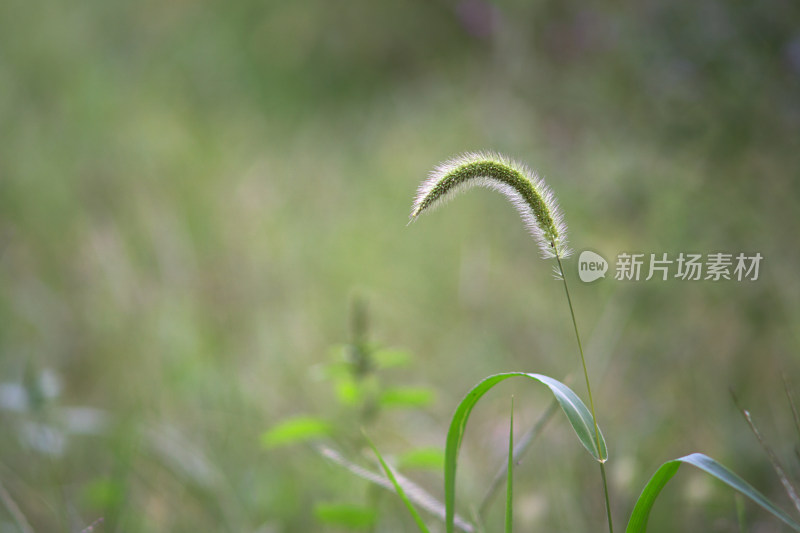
[589, 392]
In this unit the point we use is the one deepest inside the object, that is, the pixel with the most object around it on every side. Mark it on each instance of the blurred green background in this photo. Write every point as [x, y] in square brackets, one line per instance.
[193, 194]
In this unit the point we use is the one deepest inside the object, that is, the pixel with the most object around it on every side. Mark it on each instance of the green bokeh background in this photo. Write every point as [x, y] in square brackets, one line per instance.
[192, 194]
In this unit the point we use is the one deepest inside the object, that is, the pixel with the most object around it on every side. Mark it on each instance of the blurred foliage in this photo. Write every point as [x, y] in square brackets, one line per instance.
[190, 191]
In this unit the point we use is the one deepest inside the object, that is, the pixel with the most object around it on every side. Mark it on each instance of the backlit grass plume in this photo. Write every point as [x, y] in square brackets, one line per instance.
[526, 191]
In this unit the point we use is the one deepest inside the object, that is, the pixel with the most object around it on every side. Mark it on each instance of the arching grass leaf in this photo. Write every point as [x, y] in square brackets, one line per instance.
[641, 511]
[577, 413]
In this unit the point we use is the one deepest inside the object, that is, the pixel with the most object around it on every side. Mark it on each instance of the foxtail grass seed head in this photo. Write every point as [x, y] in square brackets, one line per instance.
[526, 191]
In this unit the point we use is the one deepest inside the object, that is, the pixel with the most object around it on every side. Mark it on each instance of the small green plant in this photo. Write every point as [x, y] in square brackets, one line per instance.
[359, 372]
[539, 210]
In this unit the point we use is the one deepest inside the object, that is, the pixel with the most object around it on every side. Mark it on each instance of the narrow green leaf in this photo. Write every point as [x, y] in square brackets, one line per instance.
[520, 448]
[415, 493]
[510, 475]
[103, 493]
[391, 358]
[399, 488]
[348, 392]
[406, 397]
[347, 515]
[294, 430]
[577, 413]
[641, 511]
[422, 459]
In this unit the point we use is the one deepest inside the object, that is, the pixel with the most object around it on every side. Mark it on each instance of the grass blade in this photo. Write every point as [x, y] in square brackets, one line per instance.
[345, 515]
[415, 493]
[773, 459]
[641, 511]
[519, 450]
[398, 488]
[576, 411]
[739, 501]
[510, 476]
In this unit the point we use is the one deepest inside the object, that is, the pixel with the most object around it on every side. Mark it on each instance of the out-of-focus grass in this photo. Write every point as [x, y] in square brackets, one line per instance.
[189, 193]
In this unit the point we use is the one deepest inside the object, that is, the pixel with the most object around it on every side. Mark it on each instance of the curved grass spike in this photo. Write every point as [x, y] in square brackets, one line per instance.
[526, 191]
[534, 201]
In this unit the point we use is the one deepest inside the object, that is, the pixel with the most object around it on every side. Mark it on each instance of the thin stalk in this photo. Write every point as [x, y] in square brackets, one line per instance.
[773, 458]
[740, 517]
[795, 415]
[589, 391]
